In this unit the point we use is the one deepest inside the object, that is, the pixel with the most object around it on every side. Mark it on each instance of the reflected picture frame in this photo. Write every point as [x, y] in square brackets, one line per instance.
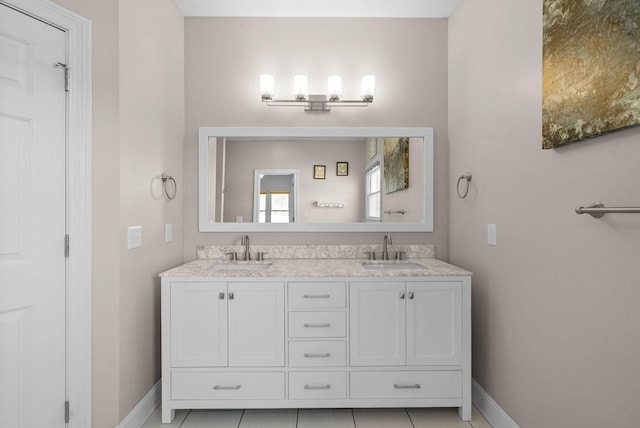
[342, 169]
[319, 172]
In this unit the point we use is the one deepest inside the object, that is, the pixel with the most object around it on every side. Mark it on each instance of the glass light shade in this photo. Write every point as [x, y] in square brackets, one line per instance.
[334, 87]
[300, 90]
[368, 87]
[266, 86]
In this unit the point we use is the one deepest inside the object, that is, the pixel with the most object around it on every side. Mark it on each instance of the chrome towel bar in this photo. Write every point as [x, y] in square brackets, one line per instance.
[597, 210]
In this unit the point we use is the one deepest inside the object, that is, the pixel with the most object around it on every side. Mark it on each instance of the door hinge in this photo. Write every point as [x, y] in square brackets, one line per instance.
[66, 246]
[66, 412]
[67, 71]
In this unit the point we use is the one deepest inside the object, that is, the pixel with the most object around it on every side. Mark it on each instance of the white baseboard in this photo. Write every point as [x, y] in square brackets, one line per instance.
[145, 408]
[491, 411]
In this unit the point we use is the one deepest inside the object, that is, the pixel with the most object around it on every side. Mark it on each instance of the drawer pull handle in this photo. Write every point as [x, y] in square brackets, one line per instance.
[325, 325]
[327, 355]
[316, 296]
[226, 388]
[317, 386]
[414, 386]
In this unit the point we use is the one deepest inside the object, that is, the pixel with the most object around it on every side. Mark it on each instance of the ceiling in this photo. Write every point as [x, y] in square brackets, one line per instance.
[319, 8]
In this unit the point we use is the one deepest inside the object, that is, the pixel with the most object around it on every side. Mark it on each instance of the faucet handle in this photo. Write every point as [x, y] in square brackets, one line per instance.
[400, 255]
[233, 256]
[371, 255]
[260, 255]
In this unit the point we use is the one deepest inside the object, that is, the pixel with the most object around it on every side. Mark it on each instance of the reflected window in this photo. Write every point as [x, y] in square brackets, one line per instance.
[372, 178]
[274, 207]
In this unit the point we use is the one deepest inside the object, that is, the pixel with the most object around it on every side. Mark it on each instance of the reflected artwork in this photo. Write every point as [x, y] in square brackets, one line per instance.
[396, 164]
[591, 69]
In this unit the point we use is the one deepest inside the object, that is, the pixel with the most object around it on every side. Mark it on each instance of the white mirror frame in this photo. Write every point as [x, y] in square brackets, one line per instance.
[204, 154]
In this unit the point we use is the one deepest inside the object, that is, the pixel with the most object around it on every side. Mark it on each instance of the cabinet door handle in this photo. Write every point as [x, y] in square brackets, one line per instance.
[328, 386]
[316, 296]
[231, 296]
[317, 325]
[327, 355]
[402, 295]
[411, 295]
[227, 388]
[221, 296]
[413, 386]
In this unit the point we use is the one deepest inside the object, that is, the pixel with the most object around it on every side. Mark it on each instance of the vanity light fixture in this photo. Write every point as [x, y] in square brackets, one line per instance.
[302, 98]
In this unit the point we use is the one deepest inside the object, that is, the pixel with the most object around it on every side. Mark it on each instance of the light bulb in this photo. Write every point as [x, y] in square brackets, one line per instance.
[334, 87]
[300, 90]
[266, 87]
[368, 88]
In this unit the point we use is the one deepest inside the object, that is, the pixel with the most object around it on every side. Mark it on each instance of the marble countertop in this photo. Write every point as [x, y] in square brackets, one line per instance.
[302, 268]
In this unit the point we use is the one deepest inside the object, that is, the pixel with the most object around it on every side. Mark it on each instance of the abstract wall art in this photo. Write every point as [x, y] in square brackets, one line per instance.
[396, 164]
[591, 69]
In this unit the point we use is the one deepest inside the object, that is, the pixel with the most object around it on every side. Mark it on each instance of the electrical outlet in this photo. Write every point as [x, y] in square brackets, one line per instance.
[492, 238]
[134, 237]
[168, 232]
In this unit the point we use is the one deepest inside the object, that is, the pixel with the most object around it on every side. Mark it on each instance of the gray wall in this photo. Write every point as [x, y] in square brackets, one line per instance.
[555, 303]
[138, 132]
[243, 157]
[225, 56]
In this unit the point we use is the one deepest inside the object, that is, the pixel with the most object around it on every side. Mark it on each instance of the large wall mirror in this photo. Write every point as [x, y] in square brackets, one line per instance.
[315, 179]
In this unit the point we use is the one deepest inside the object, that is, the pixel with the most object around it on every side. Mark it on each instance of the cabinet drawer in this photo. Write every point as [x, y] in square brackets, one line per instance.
[316, 385]
[227, 386]
[318, 354]
[321, 295]
[432, 384]
[317, 324]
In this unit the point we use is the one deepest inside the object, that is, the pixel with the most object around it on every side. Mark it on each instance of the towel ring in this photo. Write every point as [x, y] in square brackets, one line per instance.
[466, 177]
[169, 194]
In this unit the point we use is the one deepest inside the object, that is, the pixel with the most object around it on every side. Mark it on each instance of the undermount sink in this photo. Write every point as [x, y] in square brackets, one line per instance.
[391, 265]
[240, 266]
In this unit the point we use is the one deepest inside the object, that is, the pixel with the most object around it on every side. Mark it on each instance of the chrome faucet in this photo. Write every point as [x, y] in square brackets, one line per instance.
[385, 247]
[245, 242]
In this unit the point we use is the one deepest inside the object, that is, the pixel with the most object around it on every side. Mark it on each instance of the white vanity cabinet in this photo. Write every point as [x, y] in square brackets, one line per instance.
[217, 324]
[411, 332]
[221, 341]
[406, 323]
[321, 342]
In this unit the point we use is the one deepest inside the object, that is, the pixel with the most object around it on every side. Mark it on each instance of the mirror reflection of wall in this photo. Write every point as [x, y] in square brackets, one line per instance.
[242, 158]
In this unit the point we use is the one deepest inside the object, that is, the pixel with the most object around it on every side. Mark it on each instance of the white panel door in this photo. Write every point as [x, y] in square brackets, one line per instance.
[256, 324]
[198, 324]
[434, 323]
[377, 324]
[32, 222]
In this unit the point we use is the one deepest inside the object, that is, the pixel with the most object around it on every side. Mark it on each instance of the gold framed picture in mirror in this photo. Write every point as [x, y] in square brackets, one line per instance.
[319, 172]
[342, 169]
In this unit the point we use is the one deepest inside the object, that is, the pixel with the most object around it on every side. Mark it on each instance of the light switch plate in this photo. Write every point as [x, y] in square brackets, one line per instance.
[134, 237]
[492, 238]
[168, 232]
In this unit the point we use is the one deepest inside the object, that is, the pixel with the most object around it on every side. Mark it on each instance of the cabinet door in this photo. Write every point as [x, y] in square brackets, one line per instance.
[377, 324]
[256, 324]
[198, 324]
[434, 323]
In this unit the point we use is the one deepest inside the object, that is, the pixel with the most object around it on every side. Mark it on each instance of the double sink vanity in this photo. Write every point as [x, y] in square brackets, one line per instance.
[316, 327]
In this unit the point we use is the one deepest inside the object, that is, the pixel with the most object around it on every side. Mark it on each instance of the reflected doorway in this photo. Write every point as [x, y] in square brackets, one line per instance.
[275, 196]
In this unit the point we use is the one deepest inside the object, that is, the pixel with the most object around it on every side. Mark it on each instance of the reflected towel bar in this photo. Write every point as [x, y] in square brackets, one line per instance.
[597, 210]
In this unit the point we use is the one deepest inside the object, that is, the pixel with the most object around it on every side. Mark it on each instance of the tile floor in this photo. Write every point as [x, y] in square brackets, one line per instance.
[319, 418]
